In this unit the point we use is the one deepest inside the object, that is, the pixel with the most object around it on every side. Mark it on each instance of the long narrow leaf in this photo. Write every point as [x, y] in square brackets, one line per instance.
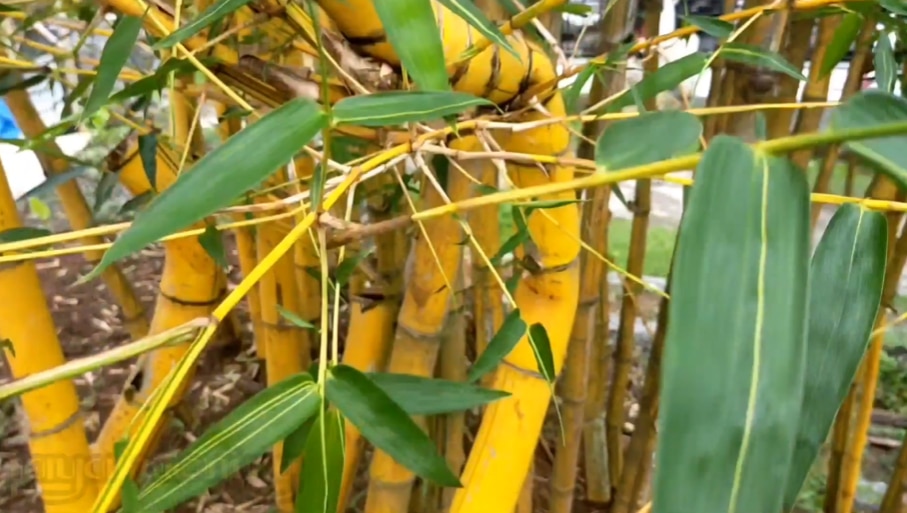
[113, 57]
[619, 146]
[413, 32]
[319, 481]
[734, 354]
[847, 274]
[384, 423]
[430, 396]
[394, 108]
[221, 176]
[216, 11]
[237, 440]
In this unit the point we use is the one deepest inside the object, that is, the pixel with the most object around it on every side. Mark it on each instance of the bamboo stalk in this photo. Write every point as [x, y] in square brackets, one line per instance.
[594, 289]
[56, 435]
[453, 368]
[78, 213]
[795, 51]
[638, 457]
[626, 332]
[436, 261]
[712, 124]
[287, 347]
[893, 501]
[503, 451]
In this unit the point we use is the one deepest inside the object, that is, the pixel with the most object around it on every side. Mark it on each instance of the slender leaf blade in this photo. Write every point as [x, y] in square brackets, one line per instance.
[848, 273]
[619, 145]
[113, 58]
[668, 77]
[221, 176]
[885, 64]
[413, 32]
[715, 27]
[319, 490]
[734, 355]
[394, 108]
[470, 13]
[238, 439]
[384, 423]
[755, 56]
[216, 11]
[418, 395]
[844, 38]
[501, 344]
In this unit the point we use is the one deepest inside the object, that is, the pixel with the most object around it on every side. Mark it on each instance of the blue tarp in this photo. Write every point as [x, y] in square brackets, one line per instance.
[8, 127]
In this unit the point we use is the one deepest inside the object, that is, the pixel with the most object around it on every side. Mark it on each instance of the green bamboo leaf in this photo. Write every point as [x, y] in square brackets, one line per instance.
[148, 154]
[501, 344]
[215, 12]
[295, 319]
[22, 233]
[541, 348]
[394, 108]
[894, 6]
[212, 242]
[113, 57]
[618, 146]
[238, 439]
[241, 163]
[867, 109]
[755, 56]
[413, 32]
[847, 275]
[668, 77]
[14, 82]
[53, 182]
[157, 80]
[349, 264]
[319, 481]
[471, 14]
[418, 395]
[294, 443]
[386, 425]
[732, 375]
[39, 208]
[844, 38]
[712, 26]
[885, 64]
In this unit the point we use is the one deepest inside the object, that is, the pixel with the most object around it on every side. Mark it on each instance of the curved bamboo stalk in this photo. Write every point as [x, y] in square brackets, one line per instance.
[436, 260]
[79, 213]
[56, 435]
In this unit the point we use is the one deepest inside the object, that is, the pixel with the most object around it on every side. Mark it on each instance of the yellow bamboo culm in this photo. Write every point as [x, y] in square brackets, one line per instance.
[56, 435]
[436, 260]
[287, 346]
[502, 453]
[79, 213]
